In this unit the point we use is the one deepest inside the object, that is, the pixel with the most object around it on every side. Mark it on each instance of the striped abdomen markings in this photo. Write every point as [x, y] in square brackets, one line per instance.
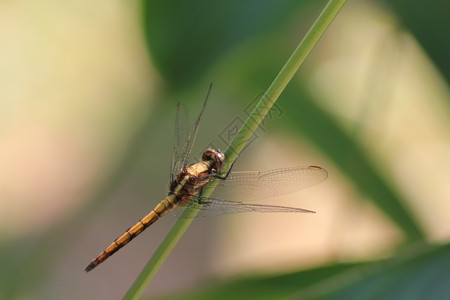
[163, 207]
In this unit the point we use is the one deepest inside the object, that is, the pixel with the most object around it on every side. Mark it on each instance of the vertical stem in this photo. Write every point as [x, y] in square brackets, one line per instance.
[238, 143]
[284, 76]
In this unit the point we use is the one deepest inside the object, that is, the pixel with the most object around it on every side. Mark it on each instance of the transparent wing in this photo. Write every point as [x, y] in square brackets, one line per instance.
[254, 185]
[182, 151]
[248, 186]
[180, 137]
[213, 207]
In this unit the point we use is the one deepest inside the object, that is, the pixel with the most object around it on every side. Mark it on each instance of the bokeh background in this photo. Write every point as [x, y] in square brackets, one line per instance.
[87, 106]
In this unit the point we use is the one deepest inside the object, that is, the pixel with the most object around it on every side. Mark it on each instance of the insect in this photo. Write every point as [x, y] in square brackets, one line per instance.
[187, 182]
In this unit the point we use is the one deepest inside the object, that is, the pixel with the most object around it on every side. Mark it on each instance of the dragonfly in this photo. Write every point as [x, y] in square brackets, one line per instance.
[188, 181]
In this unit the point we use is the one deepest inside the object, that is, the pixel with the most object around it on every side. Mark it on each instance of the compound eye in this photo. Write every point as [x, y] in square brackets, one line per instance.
[220, 156]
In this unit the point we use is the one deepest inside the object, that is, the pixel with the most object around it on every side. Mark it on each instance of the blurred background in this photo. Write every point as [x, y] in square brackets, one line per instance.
[87, 107]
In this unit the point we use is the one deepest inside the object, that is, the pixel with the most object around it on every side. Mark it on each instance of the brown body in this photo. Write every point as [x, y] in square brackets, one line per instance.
[188, 182]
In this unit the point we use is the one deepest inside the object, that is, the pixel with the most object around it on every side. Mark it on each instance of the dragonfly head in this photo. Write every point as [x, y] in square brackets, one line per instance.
[216, 156]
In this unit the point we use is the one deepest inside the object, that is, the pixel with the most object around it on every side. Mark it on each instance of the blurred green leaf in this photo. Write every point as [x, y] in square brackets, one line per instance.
[186, 38]
[264, 286]
[417, 272]
[305, 118]
[430, 25]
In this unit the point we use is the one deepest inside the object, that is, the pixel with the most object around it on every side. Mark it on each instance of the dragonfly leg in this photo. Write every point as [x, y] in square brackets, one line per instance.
[199, 197]
[223, 177]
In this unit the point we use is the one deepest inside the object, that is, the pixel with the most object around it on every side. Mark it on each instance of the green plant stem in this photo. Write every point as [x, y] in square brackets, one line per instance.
[280, 82]
[238, 143]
